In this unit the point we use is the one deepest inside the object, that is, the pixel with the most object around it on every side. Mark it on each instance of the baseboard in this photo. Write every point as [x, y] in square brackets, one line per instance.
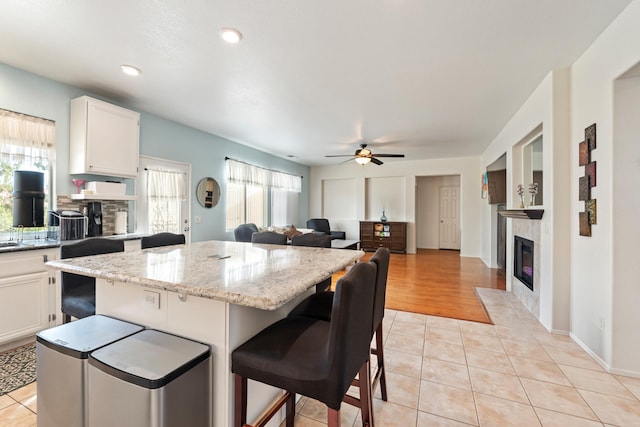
[597, 358]
[17, 343]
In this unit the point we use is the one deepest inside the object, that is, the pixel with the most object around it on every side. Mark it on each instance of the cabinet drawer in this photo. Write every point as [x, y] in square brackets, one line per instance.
[24, 262]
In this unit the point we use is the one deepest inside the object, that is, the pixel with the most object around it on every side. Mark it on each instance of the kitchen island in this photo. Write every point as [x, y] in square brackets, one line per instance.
[219, 293]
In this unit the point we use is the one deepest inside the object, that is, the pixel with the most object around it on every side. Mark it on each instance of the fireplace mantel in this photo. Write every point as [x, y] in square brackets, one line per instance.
[522, 213]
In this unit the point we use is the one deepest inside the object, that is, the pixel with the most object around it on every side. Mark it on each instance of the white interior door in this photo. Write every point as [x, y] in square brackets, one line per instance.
[183, 215]
[450, 218]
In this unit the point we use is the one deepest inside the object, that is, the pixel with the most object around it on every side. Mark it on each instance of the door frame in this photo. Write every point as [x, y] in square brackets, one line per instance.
[141, 182]
[427, 225]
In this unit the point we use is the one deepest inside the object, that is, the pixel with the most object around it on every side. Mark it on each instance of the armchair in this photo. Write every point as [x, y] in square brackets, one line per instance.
[321, 225]
[243, 232]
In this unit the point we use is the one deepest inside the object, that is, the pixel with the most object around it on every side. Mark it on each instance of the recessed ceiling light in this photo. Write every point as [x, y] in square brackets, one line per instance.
[230, 35]
[130, 70]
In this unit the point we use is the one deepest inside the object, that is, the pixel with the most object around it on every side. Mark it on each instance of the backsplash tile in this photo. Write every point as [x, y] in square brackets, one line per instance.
[109, 209]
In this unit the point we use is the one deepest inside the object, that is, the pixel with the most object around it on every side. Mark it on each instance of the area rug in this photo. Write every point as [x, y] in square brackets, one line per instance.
[17, 368]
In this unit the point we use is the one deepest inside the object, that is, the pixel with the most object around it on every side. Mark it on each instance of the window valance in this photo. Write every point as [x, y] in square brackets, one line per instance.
[245, 173]
[27, 131]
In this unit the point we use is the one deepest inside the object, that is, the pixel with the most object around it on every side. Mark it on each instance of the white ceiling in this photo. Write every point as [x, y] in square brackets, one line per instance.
[427, 78]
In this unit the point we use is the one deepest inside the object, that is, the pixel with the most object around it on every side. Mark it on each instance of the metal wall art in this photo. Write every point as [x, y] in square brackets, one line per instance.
[588, 181]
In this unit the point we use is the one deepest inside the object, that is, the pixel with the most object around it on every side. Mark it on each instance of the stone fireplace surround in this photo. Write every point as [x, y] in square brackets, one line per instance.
[529, 229]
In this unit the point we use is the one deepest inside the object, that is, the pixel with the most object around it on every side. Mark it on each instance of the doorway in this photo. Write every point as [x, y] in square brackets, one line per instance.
[168, 207]
[430, 207]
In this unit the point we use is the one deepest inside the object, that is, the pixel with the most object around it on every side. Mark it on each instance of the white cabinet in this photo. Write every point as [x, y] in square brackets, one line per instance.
[27, 294]
[104, 139]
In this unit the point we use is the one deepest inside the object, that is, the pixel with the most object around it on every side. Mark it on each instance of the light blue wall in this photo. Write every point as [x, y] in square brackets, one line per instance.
[27, 93]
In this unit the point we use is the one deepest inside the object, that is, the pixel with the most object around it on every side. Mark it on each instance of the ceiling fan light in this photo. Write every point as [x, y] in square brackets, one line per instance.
[130, 70]
[363, 160]
[230, 35]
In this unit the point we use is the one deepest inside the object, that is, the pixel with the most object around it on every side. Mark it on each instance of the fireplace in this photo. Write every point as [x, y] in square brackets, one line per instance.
[523, 261]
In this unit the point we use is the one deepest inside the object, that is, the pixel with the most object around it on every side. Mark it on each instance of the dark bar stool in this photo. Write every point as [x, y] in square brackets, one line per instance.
[270, 237]
[319, 306]
[78, 293]
[162, 239]
[312, 357]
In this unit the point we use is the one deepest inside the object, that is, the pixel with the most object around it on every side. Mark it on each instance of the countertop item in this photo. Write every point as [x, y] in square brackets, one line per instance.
[253, 275]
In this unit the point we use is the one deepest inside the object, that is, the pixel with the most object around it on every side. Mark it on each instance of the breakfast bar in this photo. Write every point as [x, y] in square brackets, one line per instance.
[216, 292]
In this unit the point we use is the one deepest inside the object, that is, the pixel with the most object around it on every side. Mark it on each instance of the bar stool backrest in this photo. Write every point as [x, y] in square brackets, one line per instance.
[270, 237]
[381, 259]
[312, 240]
[348, 346]
[162, 239]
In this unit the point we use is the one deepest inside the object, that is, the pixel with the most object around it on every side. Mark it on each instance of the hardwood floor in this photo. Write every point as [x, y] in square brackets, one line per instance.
[440, 283]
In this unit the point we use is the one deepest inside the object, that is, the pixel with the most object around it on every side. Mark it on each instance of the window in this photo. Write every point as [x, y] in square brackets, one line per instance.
[26, 143]
[260, 196]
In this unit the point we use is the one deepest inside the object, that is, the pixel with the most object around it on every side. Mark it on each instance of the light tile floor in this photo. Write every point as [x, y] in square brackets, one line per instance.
[451, 373]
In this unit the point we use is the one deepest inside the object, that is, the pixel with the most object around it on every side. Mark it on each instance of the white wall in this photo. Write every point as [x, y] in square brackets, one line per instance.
[338, 201]
[467, 167]
[604, 274]
[626, 232]
[547, 108]
[382, 195]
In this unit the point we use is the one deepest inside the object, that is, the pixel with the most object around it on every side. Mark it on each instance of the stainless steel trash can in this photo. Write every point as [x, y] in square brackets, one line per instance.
[61, 366]
[150, 379]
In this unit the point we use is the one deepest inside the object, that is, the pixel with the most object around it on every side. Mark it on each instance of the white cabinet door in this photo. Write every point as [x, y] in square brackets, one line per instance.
[25, 301]
[104, 138]
[27, 294]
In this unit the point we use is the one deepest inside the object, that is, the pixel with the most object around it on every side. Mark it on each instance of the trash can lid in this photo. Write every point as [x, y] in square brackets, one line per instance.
[79, 338]
[150, 359]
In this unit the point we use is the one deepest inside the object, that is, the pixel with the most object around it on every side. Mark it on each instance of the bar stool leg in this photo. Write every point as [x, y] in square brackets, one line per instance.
[240, 412]
[380, 368]
[366, 396]
[291, 409]
[333, 418]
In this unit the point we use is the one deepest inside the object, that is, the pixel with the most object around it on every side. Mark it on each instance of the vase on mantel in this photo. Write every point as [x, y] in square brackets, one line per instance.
[521, 201]
[383, 218]
[533, 199]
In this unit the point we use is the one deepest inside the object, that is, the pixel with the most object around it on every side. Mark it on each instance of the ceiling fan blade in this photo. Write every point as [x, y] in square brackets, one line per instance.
[389, 155]
[340, 155]
[376, 161]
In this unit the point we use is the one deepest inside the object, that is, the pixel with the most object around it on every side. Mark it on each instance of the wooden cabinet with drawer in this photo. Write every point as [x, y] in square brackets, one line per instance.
[376, 234]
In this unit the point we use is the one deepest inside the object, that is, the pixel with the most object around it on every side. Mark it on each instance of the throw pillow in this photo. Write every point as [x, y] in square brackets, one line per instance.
[292, 231]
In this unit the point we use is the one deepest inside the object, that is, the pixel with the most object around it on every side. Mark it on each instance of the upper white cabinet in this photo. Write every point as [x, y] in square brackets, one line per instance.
[105, 138]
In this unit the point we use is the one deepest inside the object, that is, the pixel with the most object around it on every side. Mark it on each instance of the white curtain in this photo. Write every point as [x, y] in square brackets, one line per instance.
[248, 188]
[244, 173]
[26, 143]
[165, 192]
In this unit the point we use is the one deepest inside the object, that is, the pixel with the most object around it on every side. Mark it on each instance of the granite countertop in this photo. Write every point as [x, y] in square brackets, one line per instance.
[35, 244]
[253, 275]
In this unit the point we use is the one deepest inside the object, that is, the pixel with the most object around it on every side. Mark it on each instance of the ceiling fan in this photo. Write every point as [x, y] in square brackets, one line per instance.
[363, 155]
